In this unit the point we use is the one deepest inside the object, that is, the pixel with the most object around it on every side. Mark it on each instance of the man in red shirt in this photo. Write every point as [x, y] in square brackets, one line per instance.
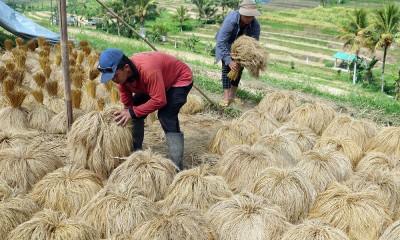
[159, 82]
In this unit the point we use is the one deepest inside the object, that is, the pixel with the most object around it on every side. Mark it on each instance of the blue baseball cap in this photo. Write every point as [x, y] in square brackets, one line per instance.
[108, 62]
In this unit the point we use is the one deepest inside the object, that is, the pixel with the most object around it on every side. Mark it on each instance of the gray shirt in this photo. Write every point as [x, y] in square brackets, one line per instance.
[228, 33]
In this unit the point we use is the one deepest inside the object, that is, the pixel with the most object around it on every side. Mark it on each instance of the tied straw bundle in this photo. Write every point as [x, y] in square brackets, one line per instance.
[248, 53]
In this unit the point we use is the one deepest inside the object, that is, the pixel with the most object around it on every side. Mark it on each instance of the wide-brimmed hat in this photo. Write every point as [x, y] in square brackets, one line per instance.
[249, 8]
[108, 62]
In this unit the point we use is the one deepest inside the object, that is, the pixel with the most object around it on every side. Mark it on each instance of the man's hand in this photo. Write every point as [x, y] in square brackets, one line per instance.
[122, 117]
[234, 66]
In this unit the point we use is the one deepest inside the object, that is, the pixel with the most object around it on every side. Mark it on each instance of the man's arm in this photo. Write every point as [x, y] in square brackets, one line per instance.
[223, 38]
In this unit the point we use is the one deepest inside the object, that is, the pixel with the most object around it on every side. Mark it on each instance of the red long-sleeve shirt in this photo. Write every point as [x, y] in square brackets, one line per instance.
[157, 73]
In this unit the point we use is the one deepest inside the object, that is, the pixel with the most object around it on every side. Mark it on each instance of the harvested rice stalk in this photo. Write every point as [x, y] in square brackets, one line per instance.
[53, 102]
[58, 123]
[9, 140]
[288, 188]
[31, 45]
[233, 134]
[80, 58]
[18, 76]
[52, 225]
[93, 74]
[109, 85]
[87, 50]
[150, 172]
[66, 189]
[198, 188]
[243, 164]
[95, 138]
[344, 145]
[346, 127]
[233, 75]
[92, 60]
[13, 212]
[90, 101]
[100, 104]
[282, 147]
[57, 60]
[323, 166]
[90, 88]
[24, 165]
[313, 230]
[40, 116]
[10, 65]
[19, 58]
[5, 190]
[386, 141]
[8, 86]
[3, 73]
[83, 43]
[19, 42]
[117, 210]
[392, 232]
[263, 122]
[39, 79]
[278, 104]
[193, 105]
[378, 161]
[385, 185]
[47, 71]
[8, 45]
[248, 53]
[315, 116]
[14, 117]
[302, 135]
[177, 223]
[247, 216]
[114, 95]
[361, 215]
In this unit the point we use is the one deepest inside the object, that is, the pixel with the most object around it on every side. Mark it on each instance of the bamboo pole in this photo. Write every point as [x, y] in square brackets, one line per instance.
[65, 62]
[151, 45]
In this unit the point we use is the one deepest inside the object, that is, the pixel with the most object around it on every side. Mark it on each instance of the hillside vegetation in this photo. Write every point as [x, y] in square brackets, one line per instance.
[300, 36]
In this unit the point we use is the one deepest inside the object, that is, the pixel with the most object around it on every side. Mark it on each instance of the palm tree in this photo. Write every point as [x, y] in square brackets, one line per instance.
[181, 15]
[205, 8]
[382, 32]
[142, 7]
[353, 25]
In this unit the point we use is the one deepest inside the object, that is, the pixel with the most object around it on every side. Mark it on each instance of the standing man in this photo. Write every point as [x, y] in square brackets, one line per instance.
[236, 23]
[159, 82]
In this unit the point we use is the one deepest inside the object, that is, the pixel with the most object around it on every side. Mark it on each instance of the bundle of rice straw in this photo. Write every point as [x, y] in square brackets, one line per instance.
[264, 122]
[58, 123]
[14, 211]
[9, 140]
[95, 140]
[282, 147]
[66, 189]
[119, 237]
[117, 210]
[152, 117]
[145, 170]
[384, 184]
[288, 188]
[89, 98]
[198, 188]
[14, 118]
[193, 105]
[315, 116]
[302, 135]
[345, 126]
[247, 216]
[39, 117]
[386, 141]
[342, 144]
[278, 104]
[5, 190]
[361, 215]
[249, 53]
[243, 164]
[392, 232]
[24, 165]
[314, 230]
[378, 161]
[232, 134]
[323, 166]
[53, 102]
[176, 223]
[52, 225]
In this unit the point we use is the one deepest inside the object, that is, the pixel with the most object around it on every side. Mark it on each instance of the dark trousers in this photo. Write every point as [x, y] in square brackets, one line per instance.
[226, 81]
[168, 115]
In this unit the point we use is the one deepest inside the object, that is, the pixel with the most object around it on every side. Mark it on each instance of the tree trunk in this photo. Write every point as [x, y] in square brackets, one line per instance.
[383, 69]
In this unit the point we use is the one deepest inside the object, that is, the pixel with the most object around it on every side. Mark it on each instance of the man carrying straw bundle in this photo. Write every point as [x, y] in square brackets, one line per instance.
[159, 82]
[237, 23]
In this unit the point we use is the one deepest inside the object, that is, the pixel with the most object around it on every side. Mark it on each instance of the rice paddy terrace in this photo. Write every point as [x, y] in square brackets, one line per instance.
[289, 165]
